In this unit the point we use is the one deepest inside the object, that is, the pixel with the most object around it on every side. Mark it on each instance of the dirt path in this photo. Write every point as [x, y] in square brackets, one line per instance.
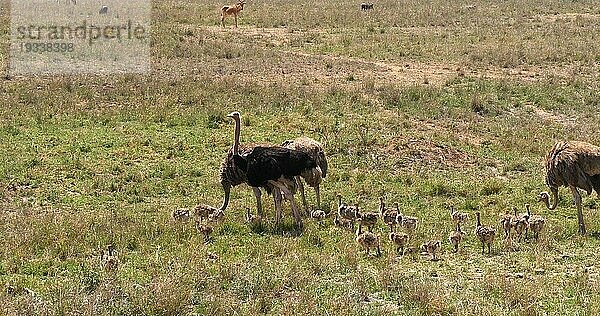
[301, 64]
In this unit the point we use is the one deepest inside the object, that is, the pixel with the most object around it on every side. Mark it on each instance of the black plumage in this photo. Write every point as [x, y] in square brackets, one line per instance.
[266, 163]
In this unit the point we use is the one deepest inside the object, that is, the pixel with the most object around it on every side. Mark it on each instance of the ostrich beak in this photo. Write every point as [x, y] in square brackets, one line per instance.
[233, 114]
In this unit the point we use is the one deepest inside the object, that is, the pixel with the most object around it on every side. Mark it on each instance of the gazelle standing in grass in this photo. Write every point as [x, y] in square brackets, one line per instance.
[232, 10]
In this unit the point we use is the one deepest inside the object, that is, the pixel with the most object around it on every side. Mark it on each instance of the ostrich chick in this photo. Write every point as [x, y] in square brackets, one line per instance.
[252, 219]
[204, 229]
[318, 215]
[407, 222]
[181, 215]
[368, 219]
[536, 222]
[109, 259]
[388, 215]
[506, 220]
[520, 224]
[367, 240]
[203, 211]
[400, 240]
[432, 247]
[458, 217]
[217, 217]
[456, 237]
[342, 222]
[485, 234]
[347, 212]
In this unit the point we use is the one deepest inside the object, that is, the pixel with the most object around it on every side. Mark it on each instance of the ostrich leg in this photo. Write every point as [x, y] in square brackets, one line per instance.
[302, 195]
[577, 199]
[290, 197]
[258, 194]
[277, 201]
[318, 194]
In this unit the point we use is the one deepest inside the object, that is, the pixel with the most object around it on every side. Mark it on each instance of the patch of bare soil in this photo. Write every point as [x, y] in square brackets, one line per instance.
[294, 65]
[427, 153]
[565, 17]
[553, 117]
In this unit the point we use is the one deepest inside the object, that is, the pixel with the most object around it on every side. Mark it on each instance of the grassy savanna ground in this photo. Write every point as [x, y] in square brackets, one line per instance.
[431, 103]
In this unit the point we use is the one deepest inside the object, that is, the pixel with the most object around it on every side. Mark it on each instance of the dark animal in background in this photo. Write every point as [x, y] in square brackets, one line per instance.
[366, 6]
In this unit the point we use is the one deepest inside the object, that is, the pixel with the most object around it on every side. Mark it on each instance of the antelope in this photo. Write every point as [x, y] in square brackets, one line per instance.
[232, 10]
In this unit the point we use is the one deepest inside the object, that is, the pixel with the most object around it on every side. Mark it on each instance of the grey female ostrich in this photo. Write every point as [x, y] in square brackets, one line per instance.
[316, 151]
[575, 165]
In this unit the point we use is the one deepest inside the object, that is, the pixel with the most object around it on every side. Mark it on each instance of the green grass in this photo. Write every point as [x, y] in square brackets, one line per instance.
[88, 161]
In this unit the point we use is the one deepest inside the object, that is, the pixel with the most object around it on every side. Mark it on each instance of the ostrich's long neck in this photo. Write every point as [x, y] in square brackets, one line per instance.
[554, 199]
[478, 220]
[227, 191]
[236, 140]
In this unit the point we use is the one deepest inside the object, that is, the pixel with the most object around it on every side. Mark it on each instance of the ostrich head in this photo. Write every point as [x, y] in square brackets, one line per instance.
[111, 250]
[235, 115]
[545, 197]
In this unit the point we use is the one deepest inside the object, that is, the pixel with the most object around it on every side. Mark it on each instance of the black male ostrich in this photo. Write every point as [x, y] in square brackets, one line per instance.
[231, 175]
[572, 164]
[281, 177]
[276, 167]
